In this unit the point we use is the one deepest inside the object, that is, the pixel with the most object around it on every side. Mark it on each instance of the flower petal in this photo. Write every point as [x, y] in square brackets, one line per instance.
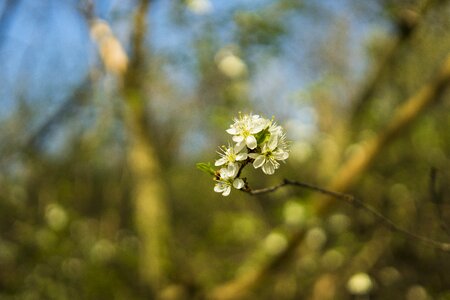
[227, 191]
[238, 183]
[218, 188]
[259, 126]
[238, 138]
[241, 156]
[268, 168]
[273, 142]
[253, 155]
[280, 155]
[251, 142]
[259, 161]
[239, 146]
[232, 130]
[223, 172]
[276, 129]
[220, 161]
[232, 170]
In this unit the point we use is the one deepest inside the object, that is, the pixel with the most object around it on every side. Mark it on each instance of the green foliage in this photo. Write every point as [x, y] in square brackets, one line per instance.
[206, 167]
[257, 29]
[263, 136]
[67, 212]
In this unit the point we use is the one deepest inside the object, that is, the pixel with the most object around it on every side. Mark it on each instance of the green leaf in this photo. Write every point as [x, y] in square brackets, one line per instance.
[206, 167]
[262, 136]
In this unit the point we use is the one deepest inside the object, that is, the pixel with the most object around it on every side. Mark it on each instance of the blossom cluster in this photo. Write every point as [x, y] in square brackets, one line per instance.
[256, 141]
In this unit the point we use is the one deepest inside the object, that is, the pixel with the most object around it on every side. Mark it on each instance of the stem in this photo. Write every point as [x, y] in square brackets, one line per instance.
[241, 168]
[358, 204]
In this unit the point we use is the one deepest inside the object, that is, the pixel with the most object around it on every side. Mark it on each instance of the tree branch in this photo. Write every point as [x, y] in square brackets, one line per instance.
[149, 190]
[407, 22]
[348, 173]
[358, 204]
[405, 115]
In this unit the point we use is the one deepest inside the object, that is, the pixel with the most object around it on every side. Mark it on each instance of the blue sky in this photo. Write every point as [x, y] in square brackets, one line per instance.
[46, 52]
[44, 55]
[46, 49]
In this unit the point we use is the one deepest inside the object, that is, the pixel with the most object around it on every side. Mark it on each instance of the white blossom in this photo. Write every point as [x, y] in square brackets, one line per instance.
[272, 151]
[244, 129]
[230, 157]
[227, 179]
[257, 141]
[275, 129]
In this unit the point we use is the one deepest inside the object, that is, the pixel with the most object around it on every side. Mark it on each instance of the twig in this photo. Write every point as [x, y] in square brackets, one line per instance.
[406, 114]
[436, 198]
[348, 173]
[358, 204]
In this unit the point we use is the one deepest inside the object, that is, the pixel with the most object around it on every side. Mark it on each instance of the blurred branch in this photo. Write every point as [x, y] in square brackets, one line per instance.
[407, 22]
[436, 198]
[37, 138]
[111, 51]
[151, 215]
[402, 118]
[358, 204]
[58, 116]
[370, 253]
[348, 174]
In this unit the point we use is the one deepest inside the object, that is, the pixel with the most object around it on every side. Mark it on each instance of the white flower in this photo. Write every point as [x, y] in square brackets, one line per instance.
[275, 129]
[275, 149]
[244, 129]
[226, 180]
[257, 140]
[230, 156]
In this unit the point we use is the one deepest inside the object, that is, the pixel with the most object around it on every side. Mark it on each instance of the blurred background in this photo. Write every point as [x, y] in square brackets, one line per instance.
[106, 106]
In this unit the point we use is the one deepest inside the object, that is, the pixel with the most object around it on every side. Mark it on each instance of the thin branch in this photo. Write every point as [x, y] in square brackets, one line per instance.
[350, 171]
[358, 204]
[404, 116]
[436, 198]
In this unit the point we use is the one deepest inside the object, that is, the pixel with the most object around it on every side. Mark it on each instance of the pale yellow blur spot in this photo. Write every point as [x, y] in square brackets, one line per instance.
[199, 7]
[316, 238]
[230, 64]
[103, 251]
[56, 217]
[332, 259]
[417, 292]
[294, 213]
[360, 284]
[275, 243]
[111, 51]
